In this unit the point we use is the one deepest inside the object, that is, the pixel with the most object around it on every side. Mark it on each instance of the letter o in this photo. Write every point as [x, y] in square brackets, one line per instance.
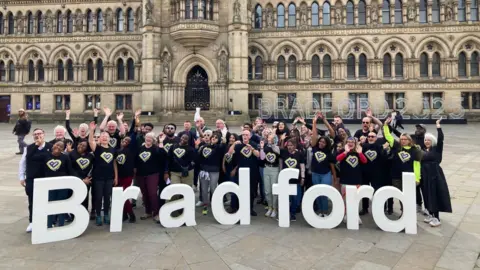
[338, 207]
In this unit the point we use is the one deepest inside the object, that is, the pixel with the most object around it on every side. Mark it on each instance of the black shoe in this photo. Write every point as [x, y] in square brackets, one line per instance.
[132, 218]
[253, 213]
[134, 205]
[293, 218]
[19, 153]
[259, 201]
[265, 203]
[363, 212]
[125, 217]
[389, 212]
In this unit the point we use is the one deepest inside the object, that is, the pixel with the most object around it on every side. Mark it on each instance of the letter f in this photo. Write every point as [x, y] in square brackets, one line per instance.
[284, 189]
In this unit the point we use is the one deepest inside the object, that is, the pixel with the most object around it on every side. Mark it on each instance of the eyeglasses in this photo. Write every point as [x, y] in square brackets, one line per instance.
[365, 122]
[372, 136]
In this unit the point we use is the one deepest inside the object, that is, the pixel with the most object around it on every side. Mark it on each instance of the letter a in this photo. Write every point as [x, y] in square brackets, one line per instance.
[73, 205]
[187, 203]
[284, 189]
[243, 193]
[119, 196]
[408, 221]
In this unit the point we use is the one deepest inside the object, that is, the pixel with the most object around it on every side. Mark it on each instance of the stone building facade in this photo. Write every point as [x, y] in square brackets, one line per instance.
[270, 57]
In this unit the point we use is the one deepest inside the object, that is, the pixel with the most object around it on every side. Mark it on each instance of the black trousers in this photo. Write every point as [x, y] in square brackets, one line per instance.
[419, 194]
[29, 192]
[87, 198]
[103, 190]
[376, 186]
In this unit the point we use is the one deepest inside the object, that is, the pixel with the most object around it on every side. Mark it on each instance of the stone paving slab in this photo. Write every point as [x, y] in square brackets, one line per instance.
[262, 245]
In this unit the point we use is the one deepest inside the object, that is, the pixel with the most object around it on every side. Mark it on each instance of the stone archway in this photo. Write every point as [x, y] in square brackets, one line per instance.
[197, 91]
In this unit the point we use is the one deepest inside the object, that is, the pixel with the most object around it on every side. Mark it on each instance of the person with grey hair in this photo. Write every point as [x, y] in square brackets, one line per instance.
[435, 191]
[80, 134]
[60, 132]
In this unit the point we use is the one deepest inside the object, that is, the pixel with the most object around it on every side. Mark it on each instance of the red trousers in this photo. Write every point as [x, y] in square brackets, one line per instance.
[125, 183]
[149, 187]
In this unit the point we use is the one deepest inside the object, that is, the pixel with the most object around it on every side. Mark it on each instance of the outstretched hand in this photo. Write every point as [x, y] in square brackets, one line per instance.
[438, 122]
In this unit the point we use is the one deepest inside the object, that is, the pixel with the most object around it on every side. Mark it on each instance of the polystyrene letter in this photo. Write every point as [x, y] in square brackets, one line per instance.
[408, 221]
[243, 193]
[119, 196]
[73, 205]
[330, 221]
[187, 203]
[353, 197]
[284, 189]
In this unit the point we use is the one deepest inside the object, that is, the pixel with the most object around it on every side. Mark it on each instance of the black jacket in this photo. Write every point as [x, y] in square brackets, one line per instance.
[22, 127]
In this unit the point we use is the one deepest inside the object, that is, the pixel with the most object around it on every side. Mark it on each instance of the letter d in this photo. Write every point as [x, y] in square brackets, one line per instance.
[42, 208]
[408, 221]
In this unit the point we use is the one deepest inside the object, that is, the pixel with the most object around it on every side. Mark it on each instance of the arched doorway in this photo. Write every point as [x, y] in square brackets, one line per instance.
[197, 92]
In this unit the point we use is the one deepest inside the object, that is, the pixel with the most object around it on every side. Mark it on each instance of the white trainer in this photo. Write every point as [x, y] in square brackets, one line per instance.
[425, 212]
[268, 213]
[360, 221]
[274, 214]
[428, 219]
[435, 222]
[29, 228]
[199, 203]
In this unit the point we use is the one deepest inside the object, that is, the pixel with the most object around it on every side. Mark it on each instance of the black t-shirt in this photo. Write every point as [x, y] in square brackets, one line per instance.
[271, 158]
[351, 169]
[64, 140]
[245, 158]
[321, 160]
[125, 162]
[81, 164]
[115, 139]
[181, 156]
[292, 160]
[210, 157]
[359, 133]
[103, 164]
[168, 142]
[150, 160]
[57, 165]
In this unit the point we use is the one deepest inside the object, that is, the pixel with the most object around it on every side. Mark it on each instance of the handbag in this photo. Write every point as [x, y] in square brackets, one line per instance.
[184, 171]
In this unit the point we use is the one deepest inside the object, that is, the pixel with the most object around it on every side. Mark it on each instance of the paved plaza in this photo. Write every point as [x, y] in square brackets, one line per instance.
[261, 245]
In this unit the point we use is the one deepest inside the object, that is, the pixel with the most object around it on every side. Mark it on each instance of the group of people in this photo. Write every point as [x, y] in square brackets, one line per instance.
[121, 155]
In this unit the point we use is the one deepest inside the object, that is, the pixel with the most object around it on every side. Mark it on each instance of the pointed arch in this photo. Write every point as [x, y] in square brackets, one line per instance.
[130, 49]
[383, 47]
[261, 48]
[28, 50]
[53, 55]
[369, 48]
[332, 49]
[297, 50]
[83, 53]
[180, 72]
[457, 46]
[419, 47]
[10, 52]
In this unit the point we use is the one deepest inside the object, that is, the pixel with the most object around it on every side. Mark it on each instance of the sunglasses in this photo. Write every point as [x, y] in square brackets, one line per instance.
[372, 136]
[365, 122]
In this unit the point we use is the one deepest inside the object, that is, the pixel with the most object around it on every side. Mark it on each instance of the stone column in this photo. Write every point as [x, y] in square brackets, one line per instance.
[238, 58]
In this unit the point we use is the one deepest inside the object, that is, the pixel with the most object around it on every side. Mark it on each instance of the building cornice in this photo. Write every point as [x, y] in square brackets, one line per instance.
[56, 2]
[71, 89]
[364, 86]
[83, 38]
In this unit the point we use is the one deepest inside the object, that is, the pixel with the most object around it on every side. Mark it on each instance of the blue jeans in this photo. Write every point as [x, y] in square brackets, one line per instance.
[295, 201]
[326, 179]
[57, 195]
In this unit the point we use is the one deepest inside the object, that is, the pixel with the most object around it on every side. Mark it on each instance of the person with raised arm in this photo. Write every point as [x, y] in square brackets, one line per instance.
[126, 172]
[351, 161]
[270, 155]
[111, 128]
[406, 157]
[30, 167]
[80, 134]
[104, 175]
[82, 163]
[322, 162]
[434, 187]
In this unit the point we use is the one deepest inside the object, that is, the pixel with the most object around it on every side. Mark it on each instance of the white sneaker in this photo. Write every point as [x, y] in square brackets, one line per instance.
[199, 203]
[274, 214]
[360, 221]
[428, 219]
[425, 212]
[435, 222]
[268, 213]
[29, 228]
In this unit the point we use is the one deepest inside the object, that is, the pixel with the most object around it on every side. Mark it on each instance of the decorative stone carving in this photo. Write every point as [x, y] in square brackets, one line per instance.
[48, 23]
[236, 11]
[338, 16]
[79, 23]
[449, 11]
[223, 63]
[149, 11]
[139, 19]
[109, 21]
[269, 17]
[303, 15]
[374, 13]
[411, 12]
[166, 59]
[20, 25]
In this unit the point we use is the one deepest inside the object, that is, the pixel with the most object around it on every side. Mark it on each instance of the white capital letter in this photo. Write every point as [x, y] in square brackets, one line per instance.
[187, 203]
[73, 205]
[335, 217]
[353, 197]
[408, 221]
[284, 189]
[119, 196]
[243, 193]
